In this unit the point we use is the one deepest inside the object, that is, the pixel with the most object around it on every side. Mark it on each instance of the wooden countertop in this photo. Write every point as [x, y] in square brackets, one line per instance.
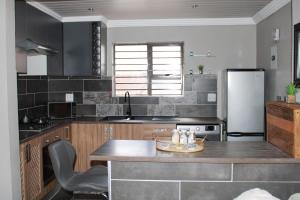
[214, 152]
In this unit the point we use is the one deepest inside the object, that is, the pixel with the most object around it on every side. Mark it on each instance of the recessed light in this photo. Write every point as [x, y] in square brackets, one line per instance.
[195, 6]
[91, 9]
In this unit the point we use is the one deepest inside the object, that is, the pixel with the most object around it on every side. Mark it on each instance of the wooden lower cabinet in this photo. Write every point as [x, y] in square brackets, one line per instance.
[31, 169]
[86, 138]
[122, 131]
[31, 163]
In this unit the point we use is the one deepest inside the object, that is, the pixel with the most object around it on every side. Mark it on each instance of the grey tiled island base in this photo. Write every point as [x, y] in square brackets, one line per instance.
[222, 171]
[200, 181]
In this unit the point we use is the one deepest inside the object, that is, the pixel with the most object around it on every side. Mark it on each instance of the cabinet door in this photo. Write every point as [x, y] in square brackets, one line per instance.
[86, 138]
[122, 131]
[77, 38]
[20, 23]
[20, 30]
[37, 25]
[55, 34]
[31, 169]
[152, 131]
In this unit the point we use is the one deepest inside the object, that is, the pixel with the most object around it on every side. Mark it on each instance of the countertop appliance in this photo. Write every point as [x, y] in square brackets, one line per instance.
[245, 100]
[213, 131]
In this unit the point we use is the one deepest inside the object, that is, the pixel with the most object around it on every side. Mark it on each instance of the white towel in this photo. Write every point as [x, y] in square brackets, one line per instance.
[256, 194]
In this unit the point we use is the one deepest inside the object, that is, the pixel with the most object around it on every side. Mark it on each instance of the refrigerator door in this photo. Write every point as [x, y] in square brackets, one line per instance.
[245, 101]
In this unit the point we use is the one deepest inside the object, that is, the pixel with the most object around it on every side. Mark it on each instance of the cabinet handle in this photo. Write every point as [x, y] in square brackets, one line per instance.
[28, 153]
[56, 136]
[47, 141]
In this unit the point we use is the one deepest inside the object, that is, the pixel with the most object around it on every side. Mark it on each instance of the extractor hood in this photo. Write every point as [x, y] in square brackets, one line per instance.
[33, 48]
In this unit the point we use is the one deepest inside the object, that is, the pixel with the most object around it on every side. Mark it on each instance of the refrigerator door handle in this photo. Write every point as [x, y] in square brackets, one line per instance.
[235, 134]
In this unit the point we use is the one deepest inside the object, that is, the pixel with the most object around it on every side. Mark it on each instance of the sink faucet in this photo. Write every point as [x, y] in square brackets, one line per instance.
[127, 95]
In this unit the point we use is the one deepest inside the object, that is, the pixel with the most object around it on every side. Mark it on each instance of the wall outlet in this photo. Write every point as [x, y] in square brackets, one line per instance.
[211, 97]
[69, 97]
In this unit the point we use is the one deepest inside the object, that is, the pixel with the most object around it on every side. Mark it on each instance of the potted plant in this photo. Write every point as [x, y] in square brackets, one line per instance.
[200, 68]
[291, 91]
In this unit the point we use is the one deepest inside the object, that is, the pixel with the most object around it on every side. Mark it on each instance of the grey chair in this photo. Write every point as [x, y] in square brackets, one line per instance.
[93, 181]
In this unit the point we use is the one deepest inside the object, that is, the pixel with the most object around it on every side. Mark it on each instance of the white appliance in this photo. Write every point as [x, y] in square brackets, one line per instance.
[245, 100]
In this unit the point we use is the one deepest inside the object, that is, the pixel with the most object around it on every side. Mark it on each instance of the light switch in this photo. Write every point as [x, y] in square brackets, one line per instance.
[211, 97]
[274, 57]
[69, 97]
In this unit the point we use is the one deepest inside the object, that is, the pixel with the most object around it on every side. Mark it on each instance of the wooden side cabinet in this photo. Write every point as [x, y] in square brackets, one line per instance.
[283, 127]
[31, 169]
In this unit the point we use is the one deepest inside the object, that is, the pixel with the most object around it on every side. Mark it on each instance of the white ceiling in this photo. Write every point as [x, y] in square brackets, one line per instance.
[157, 9]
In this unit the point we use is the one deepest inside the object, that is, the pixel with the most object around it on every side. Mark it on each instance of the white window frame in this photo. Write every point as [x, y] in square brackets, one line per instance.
[150, 65]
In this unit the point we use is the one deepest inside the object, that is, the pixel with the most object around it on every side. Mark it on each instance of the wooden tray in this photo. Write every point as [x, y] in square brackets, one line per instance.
[165, 145]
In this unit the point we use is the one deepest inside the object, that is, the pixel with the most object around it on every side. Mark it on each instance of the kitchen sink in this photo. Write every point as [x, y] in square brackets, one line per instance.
[139, 118]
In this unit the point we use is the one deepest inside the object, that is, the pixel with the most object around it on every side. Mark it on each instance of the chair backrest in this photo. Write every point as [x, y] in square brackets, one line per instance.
[62, 155]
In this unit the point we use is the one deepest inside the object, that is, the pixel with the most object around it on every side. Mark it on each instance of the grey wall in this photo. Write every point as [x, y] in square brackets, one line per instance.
[10, 187]
[234, 46]
[296, 13]
[276, 79]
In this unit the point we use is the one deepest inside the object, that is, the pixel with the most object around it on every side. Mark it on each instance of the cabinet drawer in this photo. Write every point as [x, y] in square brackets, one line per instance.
[279, 111]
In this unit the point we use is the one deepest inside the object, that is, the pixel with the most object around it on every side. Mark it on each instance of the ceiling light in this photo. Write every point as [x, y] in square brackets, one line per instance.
[195, 6]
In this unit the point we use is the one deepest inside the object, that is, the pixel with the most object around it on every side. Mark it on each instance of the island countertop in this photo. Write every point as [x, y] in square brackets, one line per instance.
[214, 152]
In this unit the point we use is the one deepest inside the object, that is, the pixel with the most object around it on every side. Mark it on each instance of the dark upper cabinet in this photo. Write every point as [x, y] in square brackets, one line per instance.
[84, 48]
[297, 54]
[77, 37]
[20, 24]
[55, 41]
[37, 25]
[41, 28]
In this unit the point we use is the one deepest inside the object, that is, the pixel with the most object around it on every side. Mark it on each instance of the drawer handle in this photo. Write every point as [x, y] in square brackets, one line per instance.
[28, 153]
[56, 136]
[47, 141]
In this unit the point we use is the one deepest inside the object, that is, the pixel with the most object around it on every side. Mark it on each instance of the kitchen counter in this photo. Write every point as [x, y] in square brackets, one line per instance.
[28, 135]
[214, 152]
[224, 170]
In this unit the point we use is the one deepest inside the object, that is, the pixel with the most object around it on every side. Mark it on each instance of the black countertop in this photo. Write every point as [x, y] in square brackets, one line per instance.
[25, 136]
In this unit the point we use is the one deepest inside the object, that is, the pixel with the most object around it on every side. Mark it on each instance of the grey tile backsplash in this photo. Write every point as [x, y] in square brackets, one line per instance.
[94, 97]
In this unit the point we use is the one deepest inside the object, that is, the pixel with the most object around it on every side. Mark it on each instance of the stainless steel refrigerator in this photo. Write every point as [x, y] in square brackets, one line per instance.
[245, 100]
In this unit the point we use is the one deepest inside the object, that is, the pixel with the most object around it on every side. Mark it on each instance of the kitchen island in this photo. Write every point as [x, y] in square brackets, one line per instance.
[222, 171]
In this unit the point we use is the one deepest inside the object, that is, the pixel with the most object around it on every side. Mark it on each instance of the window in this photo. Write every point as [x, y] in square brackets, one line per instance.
[148, 69]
